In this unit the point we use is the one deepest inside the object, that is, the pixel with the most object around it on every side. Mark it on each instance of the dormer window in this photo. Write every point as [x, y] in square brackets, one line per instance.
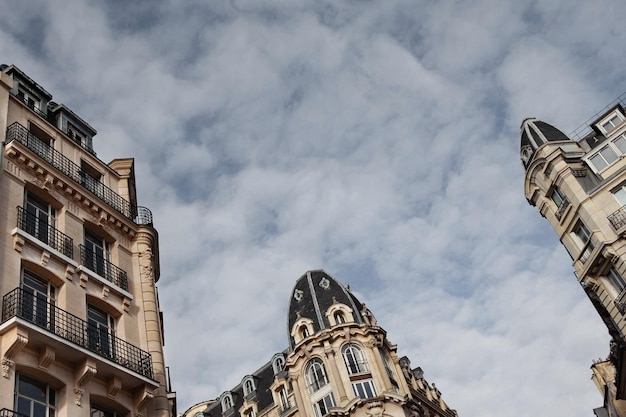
[29, 98]
[608, 153]
[278, 363]
[611, 123]
[249, 386]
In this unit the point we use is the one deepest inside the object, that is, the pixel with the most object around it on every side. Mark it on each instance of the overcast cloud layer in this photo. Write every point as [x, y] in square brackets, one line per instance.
[376, 140]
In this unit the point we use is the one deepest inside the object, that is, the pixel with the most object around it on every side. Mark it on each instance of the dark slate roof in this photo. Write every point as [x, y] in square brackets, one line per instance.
[313, 294]
[535, 133]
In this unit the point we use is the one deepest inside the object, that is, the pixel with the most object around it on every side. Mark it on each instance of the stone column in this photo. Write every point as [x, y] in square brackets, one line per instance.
[150, 307]
[334, 371]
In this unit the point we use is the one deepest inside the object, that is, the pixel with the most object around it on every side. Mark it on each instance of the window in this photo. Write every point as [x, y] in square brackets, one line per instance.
[90, 178]
[96, 254]
[354, 359]
[609, 153]
[248, 386]
[37, 300]
[316, 375]
[620, 195]
[304, 332]
[616, 280]
[339, 317]
[284, 400]
[364, 388]
[100, 330]
[98, 411]
[227, 402]
[323, 406]
[390, 372]
[39, 217]
[610, 125]
[582, 237]
[29, 98]
[34, 398]
[278, 363]
[558, 197]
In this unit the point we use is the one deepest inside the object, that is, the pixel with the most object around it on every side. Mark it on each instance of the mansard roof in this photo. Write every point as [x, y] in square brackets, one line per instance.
[535, 133]
[313, 294]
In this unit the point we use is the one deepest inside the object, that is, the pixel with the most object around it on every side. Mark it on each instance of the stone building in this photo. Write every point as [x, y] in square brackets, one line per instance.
[81, 331]
[578, 183]
[338, 362]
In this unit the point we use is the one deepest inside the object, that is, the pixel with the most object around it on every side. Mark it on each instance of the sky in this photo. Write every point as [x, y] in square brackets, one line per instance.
[377, 140]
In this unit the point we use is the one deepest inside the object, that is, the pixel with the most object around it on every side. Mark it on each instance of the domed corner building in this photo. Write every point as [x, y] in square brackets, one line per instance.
[338, 363]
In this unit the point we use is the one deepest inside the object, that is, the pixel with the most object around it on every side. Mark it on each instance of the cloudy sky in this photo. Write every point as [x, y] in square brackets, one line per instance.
[377, 140]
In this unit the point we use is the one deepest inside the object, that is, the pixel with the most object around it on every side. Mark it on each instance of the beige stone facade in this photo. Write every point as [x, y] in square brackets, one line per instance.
[339, 362]
[81, 332]
[578, 183]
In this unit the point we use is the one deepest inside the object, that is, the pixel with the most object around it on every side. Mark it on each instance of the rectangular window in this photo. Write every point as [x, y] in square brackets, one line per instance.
[364, 389]
[100, 328]
[34, 398]
[616, 280]
[38, 297]
[29, 98]
[582, 238]
[323, 406]
[96, 254]
[610, 125]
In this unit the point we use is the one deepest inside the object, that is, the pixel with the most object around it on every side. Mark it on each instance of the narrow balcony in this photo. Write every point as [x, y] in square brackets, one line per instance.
[104, 268]
[618, 218]
[45, 232]
[55, 158]
[35, 309]
[5, 412]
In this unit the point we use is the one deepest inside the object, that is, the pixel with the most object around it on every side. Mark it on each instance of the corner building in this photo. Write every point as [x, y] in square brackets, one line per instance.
[81, 328]
[578, 183]
[338, 363]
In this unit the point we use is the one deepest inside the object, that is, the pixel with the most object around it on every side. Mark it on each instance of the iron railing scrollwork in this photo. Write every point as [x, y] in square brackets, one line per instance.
[618, 218]
[55, 158]
[45, 232]
[36, 309]
[98, 264]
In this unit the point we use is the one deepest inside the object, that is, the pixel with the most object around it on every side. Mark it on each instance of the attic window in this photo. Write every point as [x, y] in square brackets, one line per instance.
[29, 98]
[609, 125]
[608, 154]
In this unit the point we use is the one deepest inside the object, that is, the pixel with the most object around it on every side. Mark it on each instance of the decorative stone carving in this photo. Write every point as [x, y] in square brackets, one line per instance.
[146, 267]
[69, 272]
[114, 386]
[7, 364]
[375, 409]
[78, 396]
[126, 304]
[83, 279]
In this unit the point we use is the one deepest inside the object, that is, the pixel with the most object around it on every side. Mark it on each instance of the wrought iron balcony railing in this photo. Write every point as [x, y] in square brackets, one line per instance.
[35, 309]
[104, 268]
[562, 207]
[55, 158]
[618, 218]
[5, 412]
[45, 232]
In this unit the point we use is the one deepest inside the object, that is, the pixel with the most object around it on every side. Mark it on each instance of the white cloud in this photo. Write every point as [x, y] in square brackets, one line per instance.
[378, 141]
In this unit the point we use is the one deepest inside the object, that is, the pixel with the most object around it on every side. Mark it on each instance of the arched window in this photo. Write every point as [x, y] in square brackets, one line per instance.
[354, 359]
[316, 375]
[339, 317]
[278, 363]
[227, 401]
[304, 331]
[248, 385]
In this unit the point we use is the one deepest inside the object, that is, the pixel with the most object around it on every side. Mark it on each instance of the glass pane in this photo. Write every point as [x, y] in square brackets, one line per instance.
[608, 154]
[620, 142]
[598, 162]
[31, 389]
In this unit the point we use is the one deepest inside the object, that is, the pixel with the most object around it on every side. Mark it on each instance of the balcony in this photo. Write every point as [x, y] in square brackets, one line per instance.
[618, 218]
[5, 412]
[104, 268]
[55, 158]
[37, 310]
[40, 229]
[286, 408]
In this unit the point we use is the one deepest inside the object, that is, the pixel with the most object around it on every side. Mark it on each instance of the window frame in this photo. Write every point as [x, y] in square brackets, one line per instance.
[316, 375]
[48, 404]
[361, 387]
[354, 359]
